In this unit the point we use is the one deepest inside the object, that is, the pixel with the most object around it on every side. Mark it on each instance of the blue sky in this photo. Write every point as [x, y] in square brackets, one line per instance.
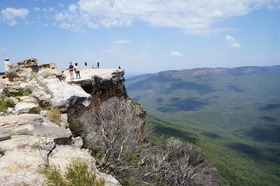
[142, 36]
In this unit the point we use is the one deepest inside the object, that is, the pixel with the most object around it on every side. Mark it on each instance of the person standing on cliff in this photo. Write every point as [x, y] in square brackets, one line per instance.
[77, 71]
[97, 64]
[71, 71]
[7, 66]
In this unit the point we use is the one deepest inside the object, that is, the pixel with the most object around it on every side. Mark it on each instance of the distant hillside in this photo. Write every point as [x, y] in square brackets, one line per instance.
[232, 114]
[208, 90]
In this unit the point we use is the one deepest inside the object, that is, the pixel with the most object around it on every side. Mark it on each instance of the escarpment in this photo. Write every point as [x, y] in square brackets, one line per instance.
[31, 139]
[110, 103]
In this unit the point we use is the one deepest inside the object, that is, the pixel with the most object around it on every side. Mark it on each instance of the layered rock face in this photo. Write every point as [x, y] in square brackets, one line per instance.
[29, 141]
[109, 100]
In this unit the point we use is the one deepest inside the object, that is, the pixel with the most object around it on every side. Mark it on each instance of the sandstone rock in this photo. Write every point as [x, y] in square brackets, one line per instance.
[32, 124]
[29, 142]
[24, 107]
[78, 142]
[10, 110]
[87, 75]
[59, 93]
[60, 153]
[64, 120]
[50, 71]
[29, 69]
[22, 74]
[28, 62]
[24, 157]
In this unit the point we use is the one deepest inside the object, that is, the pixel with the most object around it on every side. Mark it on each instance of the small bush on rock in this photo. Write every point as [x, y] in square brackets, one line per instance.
[78, 173]
[35, 110]
[5, 104]
[54, 115]
[20, 92]
[77, 128]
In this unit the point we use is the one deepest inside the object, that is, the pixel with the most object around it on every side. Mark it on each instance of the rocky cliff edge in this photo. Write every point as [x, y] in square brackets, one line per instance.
[29, 141]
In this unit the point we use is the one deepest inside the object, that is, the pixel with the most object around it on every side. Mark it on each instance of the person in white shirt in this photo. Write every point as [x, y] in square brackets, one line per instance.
[7, 66]
[77, 71]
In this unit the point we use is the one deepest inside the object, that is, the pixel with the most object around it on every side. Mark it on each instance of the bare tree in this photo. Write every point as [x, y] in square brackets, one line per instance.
[117, 143]
[118, 133]
[178, 164]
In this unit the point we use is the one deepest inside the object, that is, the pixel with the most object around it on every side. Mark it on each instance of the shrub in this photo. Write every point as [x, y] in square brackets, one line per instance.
[35, 110]
[76, 128]
[20, 92]
[54, 115]
[4, 104]
[78, 173]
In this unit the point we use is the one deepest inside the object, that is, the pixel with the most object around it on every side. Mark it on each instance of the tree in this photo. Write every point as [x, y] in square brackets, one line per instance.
[119, 146]
[117, 134]
[178, 164]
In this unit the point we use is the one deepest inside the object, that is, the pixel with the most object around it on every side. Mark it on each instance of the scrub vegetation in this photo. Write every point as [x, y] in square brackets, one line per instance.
[77, 173]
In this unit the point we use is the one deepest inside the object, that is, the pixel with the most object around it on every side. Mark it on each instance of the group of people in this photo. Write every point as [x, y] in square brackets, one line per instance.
[75, 69]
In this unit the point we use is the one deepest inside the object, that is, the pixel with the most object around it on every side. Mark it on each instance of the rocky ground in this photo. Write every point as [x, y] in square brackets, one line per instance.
[3, 82]
[29, 141]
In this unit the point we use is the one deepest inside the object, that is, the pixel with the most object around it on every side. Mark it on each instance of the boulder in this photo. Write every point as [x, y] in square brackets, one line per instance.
[58, 93]
[28, 69]
[28, 63]
[24, 107]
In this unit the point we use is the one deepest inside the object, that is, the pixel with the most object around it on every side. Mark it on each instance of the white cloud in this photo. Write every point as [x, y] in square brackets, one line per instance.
[175, 53]
[231, 42]
[122, 41]
[9, 15]
[72, 8]
[193, 16]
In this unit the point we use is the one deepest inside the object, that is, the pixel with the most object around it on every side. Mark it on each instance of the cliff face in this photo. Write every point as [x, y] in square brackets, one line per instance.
[29, 141]
[109, 102]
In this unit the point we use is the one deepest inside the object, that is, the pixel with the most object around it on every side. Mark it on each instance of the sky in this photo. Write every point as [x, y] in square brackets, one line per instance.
[142, 36]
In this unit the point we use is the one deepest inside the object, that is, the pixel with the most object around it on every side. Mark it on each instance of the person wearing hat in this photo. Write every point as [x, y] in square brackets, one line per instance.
[7, 66]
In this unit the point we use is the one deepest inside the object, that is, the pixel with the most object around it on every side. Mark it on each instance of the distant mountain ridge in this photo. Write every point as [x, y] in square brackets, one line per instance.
[220, 70]
[204, 89]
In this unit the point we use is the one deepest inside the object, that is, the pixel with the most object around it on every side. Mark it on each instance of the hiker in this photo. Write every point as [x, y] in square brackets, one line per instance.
[77, 71]
[86, 64]
[71, 71]
[7, 66]
[97, 65]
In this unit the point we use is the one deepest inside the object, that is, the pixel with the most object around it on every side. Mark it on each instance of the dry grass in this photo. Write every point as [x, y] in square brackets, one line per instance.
[54, 115]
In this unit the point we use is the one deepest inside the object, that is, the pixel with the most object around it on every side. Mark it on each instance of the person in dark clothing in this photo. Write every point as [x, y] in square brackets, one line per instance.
[71, 71]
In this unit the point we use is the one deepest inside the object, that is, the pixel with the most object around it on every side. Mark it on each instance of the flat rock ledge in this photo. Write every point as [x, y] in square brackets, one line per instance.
[30, 142]
[89, 76]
